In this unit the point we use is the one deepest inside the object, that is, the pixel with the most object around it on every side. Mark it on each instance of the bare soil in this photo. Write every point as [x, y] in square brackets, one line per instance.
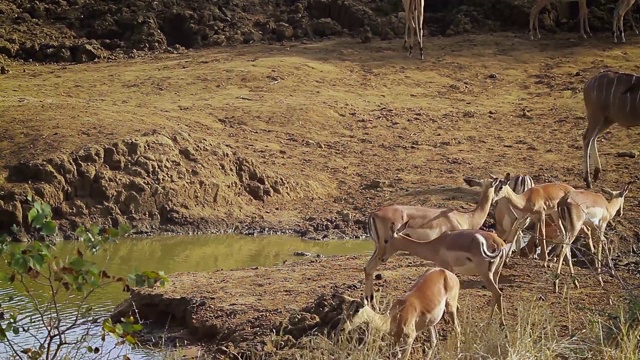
[306, 138]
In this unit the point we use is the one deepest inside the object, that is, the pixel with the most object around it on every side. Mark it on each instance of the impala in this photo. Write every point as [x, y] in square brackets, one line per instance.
[618, 19]
[414, 18]
[540, 4]
[431, 296]
[431, 221]
[535, 204]
[583, 207]
[468, 252]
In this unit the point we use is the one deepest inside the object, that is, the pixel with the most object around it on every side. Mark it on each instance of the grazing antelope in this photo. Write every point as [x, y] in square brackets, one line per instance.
[618, 18]
[505, 215]
[414, 18]
[431, 221]
[468, 252]
[583, 10]
[535, 204]
[583, 207]
[610, 97]
[431, 296]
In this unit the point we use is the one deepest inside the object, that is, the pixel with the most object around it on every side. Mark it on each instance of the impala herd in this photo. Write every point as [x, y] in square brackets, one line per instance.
[414, 15]
[453, 241]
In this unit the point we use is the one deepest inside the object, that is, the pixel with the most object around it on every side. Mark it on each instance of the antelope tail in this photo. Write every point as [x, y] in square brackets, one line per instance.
[485, 250]
[373, 230]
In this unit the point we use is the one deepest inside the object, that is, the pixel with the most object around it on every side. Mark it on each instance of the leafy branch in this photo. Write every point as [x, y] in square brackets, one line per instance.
[37, 272]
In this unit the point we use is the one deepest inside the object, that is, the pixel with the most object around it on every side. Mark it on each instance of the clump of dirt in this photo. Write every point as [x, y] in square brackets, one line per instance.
[155, 182]
[82, 31]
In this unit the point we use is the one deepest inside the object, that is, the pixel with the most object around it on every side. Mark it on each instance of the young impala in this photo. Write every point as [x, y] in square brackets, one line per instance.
[431, 296]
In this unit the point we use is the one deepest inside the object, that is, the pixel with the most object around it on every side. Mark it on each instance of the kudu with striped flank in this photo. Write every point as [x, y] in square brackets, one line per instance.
[610, 97]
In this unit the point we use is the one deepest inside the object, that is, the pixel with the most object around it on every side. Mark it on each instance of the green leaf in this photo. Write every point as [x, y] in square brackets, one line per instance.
[38, 220]
[38, 261]
[19, 263]
[32, 214]
[78, 263]
[89, 349]
[46, 209]
[3, 334]
[130, 340]
[49, 228]
[16, 330]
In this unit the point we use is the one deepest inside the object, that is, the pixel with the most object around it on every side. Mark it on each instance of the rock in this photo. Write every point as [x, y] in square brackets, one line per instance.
[346, 216]
[251, 36]
[7, 49]
[147, 35]
[627, 154]
[283, 31]
[302, 253]
[366, 35]
[493, 76]
[86, 52]
[4, 70]
[378, 277]
[325, 27]
[377, 184]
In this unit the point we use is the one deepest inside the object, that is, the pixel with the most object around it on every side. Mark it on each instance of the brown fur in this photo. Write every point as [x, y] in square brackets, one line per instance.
[459, 251]
[610, 97]
[535, 204]
[431, 221]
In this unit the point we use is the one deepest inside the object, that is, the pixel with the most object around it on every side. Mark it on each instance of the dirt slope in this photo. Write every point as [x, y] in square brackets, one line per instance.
[308, 138]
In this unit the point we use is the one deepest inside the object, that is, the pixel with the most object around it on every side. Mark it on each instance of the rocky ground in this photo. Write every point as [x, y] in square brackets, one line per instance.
[82, 31]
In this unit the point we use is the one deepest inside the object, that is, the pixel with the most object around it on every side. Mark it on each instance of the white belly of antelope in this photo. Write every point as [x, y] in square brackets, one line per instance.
[463, 264]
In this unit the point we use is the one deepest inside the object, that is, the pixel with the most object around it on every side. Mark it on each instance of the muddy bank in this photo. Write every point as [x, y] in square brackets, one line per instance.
[81, 31]
[165, 183]
[241, 310]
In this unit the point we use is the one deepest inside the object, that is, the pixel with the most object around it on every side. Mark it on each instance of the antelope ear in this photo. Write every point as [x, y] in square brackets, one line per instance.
[402, 227]
[607, 191]
[507, 177]
[472, 182]
[626, 188]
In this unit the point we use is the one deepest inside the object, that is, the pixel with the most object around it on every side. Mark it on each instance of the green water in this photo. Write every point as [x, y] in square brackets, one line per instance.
[171, 254]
